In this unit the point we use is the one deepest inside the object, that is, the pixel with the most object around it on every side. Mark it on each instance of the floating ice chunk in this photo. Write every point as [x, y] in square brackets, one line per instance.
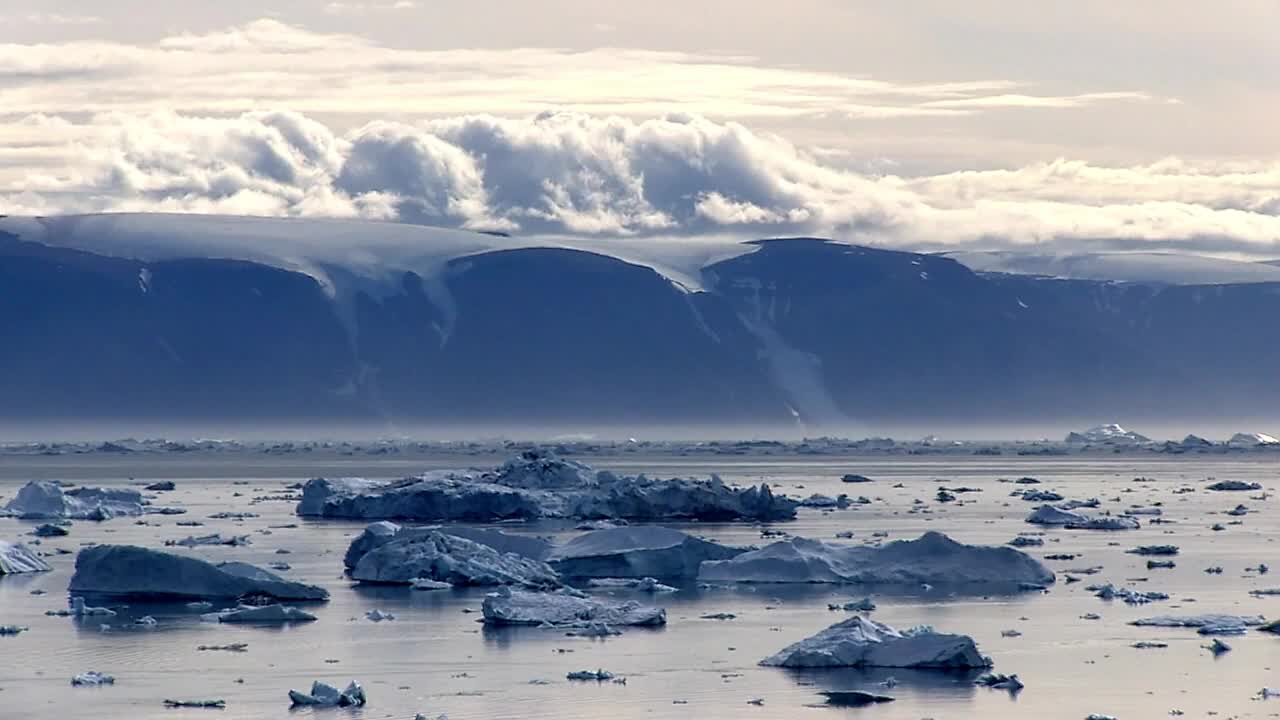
[260, 614]
[162, 486]
[1217, 647]
[50, 530]
[855, 478]
[1154, 550]
[79, 609]
[1004, 682]
[415, 555]
[45, 500]
[145, 620]
[1111, 434]
[649, 585]
[214, 539]
[564, 609]
[378, 616]
[853, 698]
[933, 559]
[17, 558]
[92, 679]
[210, 704]
[1198, 621]
[818, 500]
[1106, 522]
[1026, 541]
[428, 584]
[1132, 597]
[597, 675]
[326, 695]
[636, 552]
[12, 629]
[1234, 485]
[861, 642]
[126, 570]
[1050, 515]
[863, 605]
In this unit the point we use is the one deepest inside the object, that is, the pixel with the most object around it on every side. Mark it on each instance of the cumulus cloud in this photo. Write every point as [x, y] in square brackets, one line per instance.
[580, 174]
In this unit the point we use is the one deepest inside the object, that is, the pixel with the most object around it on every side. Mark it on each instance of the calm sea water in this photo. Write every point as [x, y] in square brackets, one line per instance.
[436, 658]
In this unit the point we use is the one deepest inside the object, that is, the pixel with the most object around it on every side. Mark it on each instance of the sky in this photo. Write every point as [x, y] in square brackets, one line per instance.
[1091, 125]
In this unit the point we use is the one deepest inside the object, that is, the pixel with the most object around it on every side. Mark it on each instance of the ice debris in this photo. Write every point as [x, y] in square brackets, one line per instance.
[540, 485]
[933, 559]
[636, 552]
[191, 541]
[1199, 621]
[861, 642]
[17, 558]
[648, 584]
[565, 609]
[130, 571]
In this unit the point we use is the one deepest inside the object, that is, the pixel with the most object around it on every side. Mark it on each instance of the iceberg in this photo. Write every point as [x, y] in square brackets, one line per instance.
[540, 485]
[565, 609]
[1252, 440]
[326, 695]
[418, 554]
[17, 558]
[1110, 434]
[863, 643]
[46, 500]
[636, 552]
[1050, 515]
[130, 571]
[382, 532]
[260, 615]
[933, 558]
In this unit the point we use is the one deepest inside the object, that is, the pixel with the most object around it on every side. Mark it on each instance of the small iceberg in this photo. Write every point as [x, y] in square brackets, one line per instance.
[131, 571]
[92, 679]
[46, 500]
[16, 558]
[565, 609]
[260, 615]
[326, 695]
[860, 642]
[414, 555]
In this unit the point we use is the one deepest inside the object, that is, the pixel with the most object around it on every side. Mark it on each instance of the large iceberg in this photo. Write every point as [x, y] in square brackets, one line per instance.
[18, 558]
[933, 558]
[422, 553]
[540, 485]
[130, 571]
[863, 643]
[45, 500]
[636, 552]
[565, 609]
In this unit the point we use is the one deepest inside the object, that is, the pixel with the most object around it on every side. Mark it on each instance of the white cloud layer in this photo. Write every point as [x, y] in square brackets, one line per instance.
[574, 173]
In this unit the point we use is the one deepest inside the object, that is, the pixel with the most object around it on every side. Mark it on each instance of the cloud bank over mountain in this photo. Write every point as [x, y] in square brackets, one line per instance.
[371, 131]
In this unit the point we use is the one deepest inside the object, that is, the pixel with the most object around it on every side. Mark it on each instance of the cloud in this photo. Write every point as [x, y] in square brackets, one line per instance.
[268, 63]
[582, 174]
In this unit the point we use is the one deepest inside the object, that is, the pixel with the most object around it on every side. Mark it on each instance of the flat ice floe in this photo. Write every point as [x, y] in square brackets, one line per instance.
[130, 571]
[933, 558]
[636, 552]
[415, 554]
[17, 558]
[540, 485]
[565, 609]
[45, 500]
[1199, 621]
[863, 643]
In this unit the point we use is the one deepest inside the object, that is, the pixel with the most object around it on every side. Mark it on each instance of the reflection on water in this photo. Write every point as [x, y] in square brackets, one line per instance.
[436, 658]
